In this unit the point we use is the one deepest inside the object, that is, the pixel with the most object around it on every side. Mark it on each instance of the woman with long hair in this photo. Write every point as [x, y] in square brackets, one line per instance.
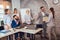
[50, 24]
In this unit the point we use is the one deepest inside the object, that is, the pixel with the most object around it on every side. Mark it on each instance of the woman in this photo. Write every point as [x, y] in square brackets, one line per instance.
[16, 12]
[51, 24]
[27, 17]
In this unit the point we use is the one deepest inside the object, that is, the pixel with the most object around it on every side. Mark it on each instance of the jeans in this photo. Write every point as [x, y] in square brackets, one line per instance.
[21, 35]
[39, 25]
[16, 35]
[44, 29]
[44, 26]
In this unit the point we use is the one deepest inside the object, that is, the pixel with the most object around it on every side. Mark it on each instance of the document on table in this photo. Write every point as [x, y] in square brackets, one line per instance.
[4, 31]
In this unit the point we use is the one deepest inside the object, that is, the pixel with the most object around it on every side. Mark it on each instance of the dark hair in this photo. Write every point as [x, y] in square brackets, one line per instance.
[14, 16]
[41, 7]
[6, 10]
[53, 12]
[15, 8]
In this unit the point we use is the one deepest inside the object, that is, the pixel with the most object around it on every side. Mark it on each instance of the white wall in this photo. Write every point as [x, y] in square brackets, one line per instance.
[15, 4]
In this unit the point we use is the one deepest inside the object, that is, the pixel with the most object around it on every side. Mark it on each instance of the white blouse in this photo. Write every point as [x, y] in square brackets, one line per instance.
[50, 20]
[28, 19]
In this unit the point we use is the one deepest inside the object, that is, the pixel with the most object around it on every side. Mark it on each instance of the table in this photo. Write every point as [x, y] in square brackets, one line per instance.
[30, 31]
[11, 32]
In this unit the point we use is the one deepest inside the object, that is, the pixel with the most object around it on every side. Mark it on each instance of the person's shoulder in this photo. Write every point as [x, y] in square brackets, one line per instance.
[50, 13]
[39, 12]
[5, 16]
[13, 20]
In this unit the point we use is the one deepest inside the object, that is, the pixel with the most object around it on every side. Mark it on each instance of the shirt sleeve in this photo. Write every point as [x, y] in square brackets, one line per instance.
[8, 21]
[49, 17]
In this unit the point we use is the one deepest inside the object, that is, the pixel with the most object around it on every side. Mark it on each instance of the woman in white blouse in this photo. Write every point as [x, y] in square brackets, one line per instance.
[28, 17]
[50, 24]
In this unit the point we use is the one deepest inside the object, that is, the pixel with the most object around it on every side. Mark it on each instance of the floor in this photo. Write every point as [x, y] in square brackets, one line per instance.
[37, 37]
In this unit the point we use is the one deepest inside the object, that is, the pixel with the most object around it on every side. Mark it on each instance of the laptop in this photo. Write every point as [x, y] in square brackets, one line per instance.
[31, 27]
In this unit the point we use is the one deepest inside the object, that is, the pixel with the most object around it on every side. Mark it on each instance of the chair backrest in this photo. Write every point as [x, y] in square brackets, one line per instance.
[1, 27]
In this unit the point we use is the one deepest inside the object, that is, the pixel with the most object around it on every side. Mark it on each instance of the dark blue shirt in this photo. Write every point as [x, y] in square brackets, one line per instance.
[14, 24]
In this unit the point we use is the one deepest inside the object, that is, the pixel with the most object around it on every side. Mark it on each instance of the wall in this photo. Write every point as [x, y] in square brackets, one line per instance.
[5, 4]
[15, 4]
[57, 14]
[35, 4]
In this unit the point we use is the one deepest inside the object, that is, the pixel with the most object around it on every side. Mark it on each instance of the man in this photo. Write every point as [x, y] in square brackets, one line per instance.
[41, 14]
[7, 19]
[16, 23]
[42, 23]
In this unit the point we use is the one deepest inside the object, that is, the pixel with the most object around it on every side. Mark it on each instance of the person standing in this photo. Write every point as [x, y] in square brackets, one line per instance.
[50, 24]
[41, 23]
[41, 15]
[7, 19]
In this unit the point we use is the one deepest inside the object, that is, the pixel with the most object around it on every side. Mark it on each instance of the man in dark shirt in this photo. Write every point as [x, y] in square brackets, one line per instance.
[16, 23]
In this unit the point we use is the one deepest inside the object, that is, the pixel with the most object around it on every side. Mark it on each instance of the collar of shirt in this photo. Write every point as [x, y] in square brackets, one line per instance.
[43, 13]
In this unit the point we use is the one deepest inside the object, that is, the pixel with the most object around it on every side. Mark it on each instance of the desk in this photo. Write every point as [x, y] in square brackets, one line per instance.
[11, 32]
[30, 31]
